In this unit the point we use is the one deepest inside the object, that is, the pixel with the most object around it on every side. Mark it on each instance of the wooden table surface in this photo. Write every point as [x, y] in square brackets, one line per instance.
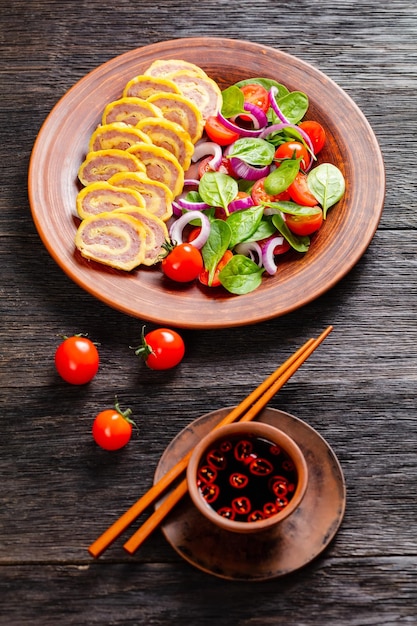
[58, 491]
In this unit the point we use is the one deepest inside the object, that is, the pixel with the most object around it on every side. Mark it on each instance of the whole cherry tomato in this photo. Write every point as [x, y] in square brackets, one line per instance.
[112, 428]
[161, 349]
[183, 263]
[77, 360]
[293, 150]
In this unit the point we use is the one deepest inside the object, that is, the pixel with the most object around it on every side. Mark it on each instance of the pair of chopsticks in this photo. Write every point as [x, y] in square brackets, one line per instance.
[244, 412]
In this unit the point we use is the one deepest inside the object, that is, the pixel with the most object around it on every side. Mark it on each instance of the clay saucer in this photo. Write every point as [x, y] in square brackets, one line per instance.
[275, 552]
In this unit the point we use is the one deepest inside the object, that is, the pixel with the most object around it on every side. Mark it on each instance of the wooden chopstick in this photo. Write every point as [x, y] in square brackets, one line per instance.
[253, 403]
[172, 499]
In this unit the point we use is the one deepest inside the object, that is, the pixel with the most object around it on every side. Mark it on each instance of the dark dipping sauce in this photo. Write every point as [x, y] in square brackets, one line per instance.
[246, 478]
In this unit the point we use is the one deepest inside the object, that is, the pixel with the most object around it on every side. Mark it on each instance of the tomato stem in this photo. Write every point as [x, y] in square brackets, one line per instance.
[144, 350]
[125, 414]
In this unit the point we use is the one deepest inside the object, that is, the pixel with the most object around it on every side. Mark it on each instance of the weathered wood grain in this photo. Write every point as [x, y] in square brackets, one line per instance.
[58, 491]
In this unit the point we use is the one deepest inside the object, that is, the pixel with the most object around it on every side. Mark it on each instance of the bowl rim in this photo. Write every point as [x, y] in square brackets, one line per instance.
[259, 429]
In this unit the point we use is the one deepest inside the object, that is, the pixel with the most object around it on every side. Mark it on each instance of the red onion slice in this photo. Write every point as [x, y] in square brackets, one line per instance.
[243, 132]
[274, 104]
[248, 172]
[207, 148]
[177, 228]
[268, 257]
[252, 250]
[255, 114]
[240, 203]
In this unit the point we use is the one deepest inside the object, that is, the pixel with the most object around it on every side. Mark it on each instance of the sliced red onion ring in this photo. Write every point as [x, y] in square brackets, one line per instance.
[277, 127]
[240, 203]
[252, 250]
[255, 114]
[189, 205]
[177, 228]
[207, 148]
[248, 172]
[268, 258]
[272, 97]
[243, 132]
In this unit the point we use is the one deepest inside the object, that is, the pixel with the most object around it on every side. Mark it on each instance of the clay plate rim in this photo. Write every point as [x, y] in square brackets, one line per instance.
[62, 143]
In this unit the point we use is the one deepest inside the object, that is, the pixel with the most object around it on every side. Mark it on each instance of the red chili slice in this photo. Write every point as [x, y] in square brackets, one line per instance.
[270, 509]
[210, 492]
[288, 466]
[241, 505]
[278, 485]
[255, 516]
[216, 459]
[238, 481]
[242, 450]
[207, 474]
[275, 450]
[261, 467]
[281, 503]
[225, 446]
[226, 511]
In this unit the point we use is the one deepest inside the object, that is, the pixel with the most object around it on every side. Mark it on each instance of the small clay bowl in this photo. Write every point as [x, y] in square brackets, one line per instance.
[239, 468]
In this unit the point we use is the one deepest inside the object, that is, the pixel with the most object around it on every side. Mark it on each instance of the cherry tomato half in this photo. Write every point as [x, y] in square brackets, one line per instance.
[299, 191]
[225, 167]
[204, 274]
[255, 94]
[259, 194]
[316, 133]
[112, 428]
[161, 348]
[77, 360]
[183, 263]
[293, 150]
[219, 133]
[305, 224]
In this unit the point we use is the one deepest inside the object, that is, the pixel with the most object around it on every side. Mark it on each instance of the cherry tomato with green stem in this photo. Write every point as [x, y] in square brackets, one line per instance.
[316, 133]
[161, 349]
[77, 360]
[183, 263]
[112, 428]
[304, 224]
[293, 150]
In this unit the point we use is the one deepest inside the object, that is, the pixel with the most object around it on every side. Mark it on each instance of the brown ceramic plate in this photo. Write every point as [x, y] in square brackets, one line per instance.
[289, 546]
[61, 147]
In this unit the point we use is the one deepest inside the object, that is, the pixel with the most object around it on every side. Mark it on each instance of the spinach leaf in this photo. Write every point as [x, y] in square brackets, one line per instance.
[291, 208]
[294, 106]
[243, 224]
[264, 230]
[233, 101]
[267, 83]
[218, 189]
[300, 244]
[253, 150]
[215, 246]
[281, 178]
[326, 182]
[241, 275]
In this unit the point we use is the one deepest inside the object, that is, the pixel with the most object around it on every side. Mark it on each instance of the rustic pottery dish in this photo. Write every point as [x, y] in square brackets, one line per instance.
[277, 551]
[62, 143]
[242, 434]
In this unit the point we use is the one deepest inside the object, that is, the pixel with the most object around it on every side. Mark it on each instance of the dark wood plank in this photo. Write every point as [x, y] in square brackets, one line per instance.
[58, 491]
